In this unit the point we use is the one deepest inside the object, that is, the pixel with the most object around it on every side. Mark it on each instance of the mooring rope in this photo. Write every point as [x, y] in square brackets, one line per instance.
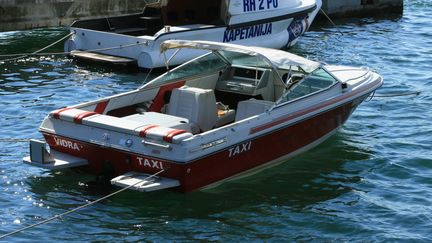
[331, 21]
[14, 140]
[78, 208]
[416, 93]
[22, 55]
[40, 53]
[374, 95]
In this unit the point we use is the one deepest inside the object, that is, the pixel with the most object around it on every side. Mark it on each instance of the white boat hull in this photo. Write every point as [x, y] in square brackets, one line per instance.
[278, 33]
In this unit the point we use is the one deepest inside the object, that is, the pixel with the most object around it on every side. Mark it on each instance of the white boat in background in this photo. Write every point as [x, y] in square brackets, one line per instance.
[228, 113]
[135, 39]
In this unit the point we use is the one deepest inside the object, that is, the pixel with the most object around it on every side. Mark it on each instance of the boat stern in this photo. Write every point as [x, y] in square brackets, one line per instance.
[109, 47]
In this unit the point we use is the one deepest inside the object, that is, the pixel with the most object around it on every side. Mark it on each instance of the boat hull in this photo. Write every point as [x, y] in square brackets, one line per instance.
[230, 162]
[144, 50]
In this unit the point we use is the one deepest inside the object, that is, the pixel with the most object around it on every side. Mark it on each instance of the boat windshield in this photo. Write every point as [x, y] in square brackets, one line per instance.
[212, 62]
[205, 64]
[316, 81]
[240, 59]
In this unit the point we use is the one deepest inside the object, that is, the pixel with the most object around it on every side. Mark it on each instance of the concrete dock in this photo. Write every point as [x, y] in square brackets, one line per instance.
[350, 8]
[29, 14]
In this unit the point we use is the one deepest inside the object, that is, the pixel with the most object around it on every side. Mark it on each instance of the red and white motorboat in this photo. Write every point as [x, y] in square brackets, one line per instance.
[223, 115]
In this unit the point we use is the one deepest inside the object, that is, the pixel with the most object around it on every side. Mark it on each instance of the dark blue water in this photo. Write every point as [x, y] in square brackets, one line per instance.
[370, 182]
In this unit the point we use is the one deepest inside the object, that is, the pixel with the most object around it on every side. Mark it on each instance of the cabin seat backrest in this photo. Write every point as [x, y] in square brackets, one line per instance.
[251, 107]
[195, 104]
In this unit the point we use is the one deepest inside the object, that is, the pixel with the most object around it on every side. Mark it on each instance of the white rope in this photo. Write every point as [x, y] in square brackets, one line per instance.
[14, 140]
[77, 51]
[38, 52]
[22, 55]
[32, 53]
[416, 93]
[78, 208]
[108, 48]
[331, 21]
[54, 43]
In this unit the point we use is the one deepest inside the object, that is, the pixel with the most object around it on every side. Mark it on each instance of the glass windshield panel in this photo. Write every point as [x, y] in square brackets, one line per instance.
[318, 80]
[240, 59]
[302, 68]
[206, 64]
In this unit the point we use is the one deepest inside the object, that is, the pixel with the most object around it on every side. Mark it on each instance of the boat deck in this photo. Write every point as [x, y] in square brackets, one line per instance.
[103, 58]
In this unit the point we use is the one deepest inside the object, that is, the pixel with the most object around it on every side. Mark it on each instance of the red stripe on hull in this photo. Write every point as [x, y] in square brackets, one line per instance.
[100, 107]
[144, 130]
[169, 137]
[215, 167]
[56, 114]
[159, 100]
[78, 119]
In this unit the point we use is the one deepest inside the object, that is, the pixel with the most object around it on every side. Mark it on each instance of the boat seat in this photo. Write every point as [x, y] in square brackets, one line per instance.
[160, 119]
[199, 107]
[251, 107]
[156, 126]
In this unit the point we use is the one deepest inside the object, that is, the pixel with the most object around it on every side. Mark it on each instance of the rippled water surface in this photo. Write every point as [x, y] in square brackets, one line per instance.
[370, 182]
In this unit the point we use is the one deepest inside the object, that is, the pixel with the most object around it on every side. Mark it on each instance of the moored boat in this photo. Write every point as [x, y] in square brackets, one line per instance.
[135, 39]
[228, 113]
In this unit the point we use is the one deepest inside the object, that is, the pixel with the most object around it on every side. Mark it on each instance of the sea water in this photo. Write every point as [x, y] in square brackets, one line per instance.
[372, 181]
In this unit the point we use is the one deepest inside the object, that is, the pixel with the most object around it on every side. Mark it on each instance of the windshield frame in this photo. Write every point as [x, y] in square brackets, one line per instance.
[280, 103]
[154, 82]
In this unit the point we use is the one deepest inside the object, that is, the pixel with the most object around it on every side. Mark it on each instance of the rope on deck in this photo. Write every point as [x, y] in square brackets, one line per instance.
[78, 208]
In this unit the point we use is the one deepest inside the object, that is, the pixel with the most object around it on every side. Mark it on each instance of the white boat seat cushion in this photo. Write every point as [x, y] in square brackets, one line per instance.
[163, 120]
[158, 133]
[252, 107]
[196, 105]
